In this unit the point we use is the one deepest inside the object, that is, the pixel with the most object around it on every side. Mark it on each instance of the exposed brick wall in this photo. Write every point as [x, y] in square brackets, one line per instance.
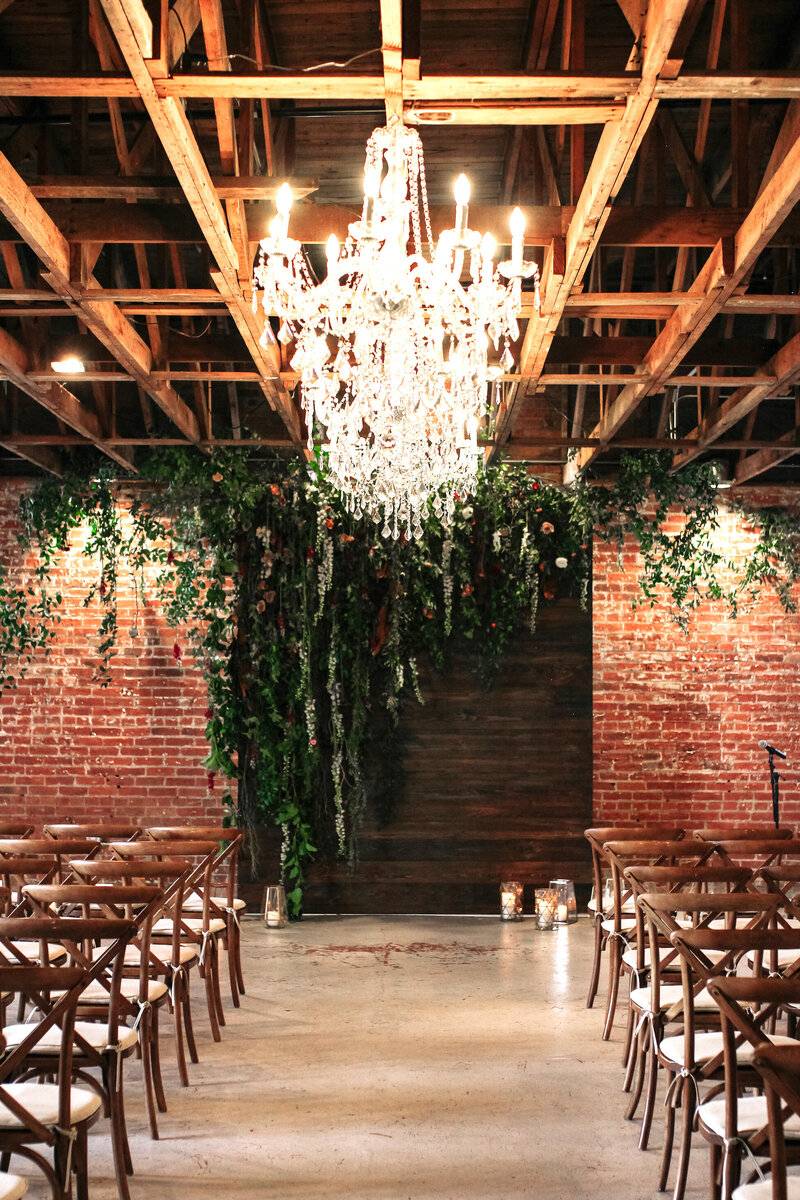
[70, 750]
[677, 718]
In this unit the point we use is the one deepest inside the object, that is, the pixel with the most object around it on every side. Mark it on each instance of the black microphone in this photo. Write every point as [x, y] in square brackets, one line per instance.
[772, 750]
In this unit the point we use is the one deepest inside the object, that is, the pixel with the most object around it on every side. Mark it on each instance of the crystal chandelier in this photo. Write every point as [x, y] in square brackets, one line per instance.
[392, 347]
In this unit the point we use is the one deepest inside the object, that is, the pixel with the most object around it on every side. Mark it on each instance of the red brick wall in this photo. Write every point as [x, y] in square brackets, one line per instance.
[677, 718]
[70, 750]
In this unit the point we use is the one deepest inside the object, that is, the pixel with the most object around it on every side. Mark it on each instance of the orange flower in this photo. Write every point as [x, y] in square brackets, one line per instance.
[547, 527]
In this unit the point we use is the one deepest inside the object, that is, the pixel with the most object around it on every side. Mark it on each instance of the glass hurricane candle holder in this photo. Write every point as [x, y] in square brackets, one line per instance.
[546, 907]
[511, 901]
[567, 911]
[275, 912]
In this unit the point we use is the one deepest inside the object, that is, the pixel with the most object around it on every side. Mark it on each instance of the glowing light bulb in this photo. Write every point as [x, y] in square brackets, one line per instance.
[332, 253]
[372, 187]
[487, 248]
[283, 199]
[461, 191]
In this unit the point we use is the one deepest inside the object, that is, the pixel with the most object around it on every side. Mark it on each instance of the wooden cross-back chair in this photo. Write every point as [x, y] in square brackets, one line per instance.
[779, 1068]
[737, 1125]
[196, 936]
[56, 1115]
[694, 1055]
[758, 853]
[224, 903]
[15, 828]
[603, 913]
[104, 1041]
[149, 980]
[659, 985]
[623, 957]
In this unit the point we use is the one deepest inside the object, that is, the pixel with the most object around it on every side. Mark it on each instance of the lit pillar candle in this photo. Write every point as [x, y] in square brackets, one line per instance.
[461, 192]
[517, 230]
[283, 203]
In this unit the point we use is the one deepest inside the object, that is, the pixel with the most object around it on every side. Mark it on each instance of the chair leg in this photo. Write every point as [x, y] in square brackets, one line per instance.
[237, 942]
[207, 974]
[230, 948]
[119, 1139]
[628, 1047]
[215, 982]
[146, 1047]
[178, 1013]
[614, 963]
[187, 1021]
[669, 1137]
[598, 954]
[650, 1098]
[688, 1105]
[155, 1049]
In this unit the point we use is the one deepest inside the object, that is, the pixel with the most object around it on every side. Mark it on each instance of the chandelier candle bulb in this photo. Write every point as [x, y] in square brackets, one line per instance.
[461, 191]
[517, 224]
[283, 203]
[332, 254]
[372, 185]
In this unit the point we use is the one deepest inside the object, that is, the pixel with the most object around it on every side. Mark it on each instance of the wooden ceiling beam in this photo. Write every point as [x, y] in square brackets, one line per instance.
[175, 134]
[214, 85]
[612, 160]
[147, 187]
[570, 112]
[26, 215]
[113, 222]
[55, 398]
[784, 366]
[728, 265]
[47, 460]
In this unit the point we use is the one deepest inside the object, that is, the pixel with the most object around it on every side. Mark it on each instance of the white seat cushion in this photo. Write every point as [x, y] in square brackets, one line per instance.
[194, 903]
[93, 1032]
[163, 928]
[186, 952]
[625, 926]
[629, 958]
[12, 1186]
[95, 993]
[751, 1115]
[41, 1101]
[708, 1045]
[30, 950]
[763, 1189]
[785, 958]
[642, 998]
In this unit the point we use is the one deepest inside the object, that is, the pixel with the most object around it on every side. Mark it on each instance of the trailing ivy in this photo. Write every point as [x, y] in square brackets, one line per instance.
[308, 625]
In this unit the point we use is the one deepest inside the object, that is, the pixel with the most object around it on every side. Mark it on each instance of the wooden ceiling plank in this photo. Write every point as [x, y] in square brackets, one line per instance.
[42, 457]
[535, 112]
[146, 187]
[686, 163]
[765, 459]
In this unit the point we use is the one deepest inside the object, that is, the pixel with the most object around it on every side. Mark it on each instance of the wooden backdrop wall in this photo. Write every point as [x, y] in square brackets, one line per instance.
[498, 785]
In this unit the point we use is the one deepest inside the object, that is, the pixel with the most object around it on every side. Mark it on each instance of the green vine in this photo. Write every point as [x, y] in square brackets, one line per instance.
[308, 625]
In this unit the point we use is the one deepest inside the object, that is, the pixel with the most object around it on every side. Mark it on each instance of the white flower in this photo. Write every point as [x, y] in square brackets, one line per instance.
[561, 563]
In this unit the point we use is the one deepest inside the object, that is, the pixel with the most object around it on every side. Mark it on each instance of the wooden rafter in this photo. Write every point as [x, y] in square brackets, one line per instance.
[178, 141]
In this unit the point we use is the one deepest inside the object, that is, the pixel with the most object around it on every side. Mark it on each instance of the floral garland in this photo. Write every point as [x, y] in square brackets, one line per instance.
[309, 624]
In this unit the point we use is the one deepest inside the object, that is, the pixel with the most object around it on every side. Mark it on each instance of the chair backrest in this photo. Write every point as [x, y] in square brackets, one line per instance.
[600, 834]
[171, 875]
[226, 860]
[757, 852]
[100, 831]
[779, 1068]
[747, 833]
[15, 828]
[622, 855]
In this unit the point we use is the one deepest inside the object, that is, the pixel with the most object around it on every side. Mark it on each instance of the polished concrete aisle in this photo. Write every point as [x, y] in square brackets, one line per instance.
[399, 1058]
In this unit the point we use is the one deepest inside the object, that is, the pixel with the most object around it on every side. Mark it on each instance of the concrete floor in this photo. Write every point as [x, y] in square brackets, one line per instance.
[398, 1058]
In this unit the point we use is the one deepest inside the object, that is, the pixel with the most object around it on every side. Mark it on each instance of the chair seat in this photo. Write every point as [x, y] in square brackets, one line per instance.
[195, 903]
[751, 1115]
[629, 959]
[784, 958]
[707, 1046]
[163, 928]
[12, 1186]
[763, 1189]
[186, 954]
[625, 926]
[642, 998]
[95, 993]
[93, 1032]
[41, 1101]
[31, 951]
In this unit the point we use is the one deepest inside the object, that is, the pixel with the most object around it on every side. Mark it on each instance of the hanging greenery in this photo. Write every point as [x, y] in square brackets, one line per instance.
[309, 625]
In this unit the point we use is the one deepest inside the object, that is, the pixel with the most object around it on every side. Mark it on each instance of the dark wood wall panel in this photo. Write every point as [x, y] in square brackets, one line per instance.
[498, 785]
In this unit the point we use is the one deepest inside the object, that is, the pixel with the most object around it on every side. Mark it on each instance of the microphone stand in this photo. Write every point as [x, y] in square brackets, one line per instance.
[774, 781]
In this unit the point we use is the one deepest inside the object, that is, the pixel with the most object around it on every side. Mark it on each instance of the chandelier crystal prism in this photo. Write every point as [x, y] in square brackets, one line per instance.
[392, 347]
